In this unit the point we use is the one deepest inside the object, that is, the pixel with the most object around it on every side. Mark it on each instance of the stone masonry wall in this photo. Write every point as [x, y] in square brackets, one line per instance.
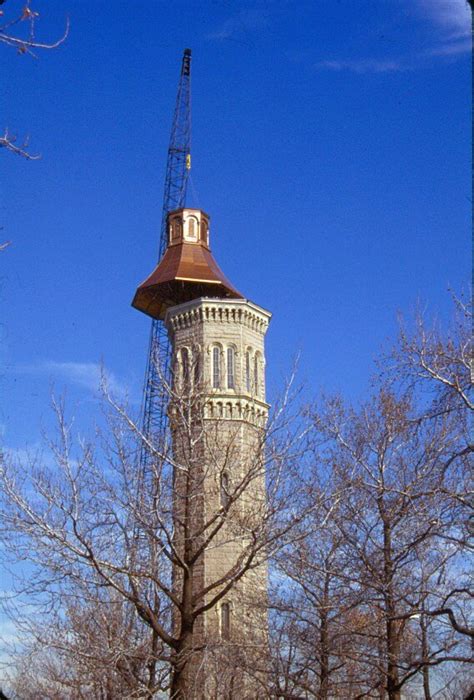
[227, 455]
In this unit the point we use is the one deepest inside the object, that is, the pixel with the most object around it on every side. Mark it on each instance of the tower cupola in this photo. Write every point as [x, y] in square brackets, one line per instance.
[188, 226]
[187, 270]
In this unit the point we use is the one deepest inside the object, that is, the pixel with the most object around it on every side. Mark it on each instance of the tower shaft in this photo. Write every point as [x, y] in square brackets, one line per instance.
[218, 433]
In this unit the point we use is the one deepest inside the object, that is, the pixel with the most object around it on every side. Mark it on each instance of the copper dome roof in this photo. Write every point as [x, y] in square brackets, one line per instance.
[186, 271]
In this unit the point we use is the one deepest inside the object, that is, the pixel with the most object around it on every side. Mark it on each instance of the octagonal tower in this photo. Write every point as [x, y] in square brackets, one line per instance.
[217, 415]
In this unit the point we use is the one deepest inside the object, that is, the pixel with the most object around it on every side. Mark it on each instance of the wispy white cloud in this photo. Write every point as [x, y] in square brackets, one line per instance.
[87, 375]
[451, 48]
[27, 456]
[9, 638]
[240, 24]
[23, 455]
[451, 20]
[452, 17]
[369, 65]
[8, 631]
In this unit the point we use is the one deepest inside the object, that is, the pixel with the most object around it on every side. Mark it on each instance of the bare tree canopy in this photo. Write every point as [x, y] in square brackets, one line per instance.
[380, 599]
[100, 537]
[365, 531]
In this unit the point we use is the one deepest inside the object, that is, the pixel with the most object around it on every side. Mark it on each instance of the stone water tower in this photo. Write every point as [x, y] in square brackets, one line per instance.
[217, 413]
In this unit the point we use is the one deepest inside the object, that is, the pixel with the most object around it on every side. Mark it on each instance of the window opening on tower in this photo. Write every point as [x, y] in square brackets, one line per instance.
[230, 368]
[256, 377]
[204, 232]
[225, 497]
[247, 370]
[216, 368]
[225, 620]
[185, 368]
[192, 227]
[197, 367]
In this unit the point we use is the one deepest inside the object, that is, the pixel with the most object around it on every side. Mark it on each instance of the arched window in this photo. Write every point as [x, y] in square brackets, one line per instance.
[203, 231]
[185, 368]
[247, 370]
[256, 375]
[225, 620]
[197, 367]
[216, 368]
[225, 497]
[175, 229]
[230, 368]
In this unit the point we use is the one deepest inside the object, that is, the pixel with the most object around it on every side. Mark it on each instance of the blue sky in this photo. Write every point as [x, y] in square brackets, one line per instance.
[330, 146]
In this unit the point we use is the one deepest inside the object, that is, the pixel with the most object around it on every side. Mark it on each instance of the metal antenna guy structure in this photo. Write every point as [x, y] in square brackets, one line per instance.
[178, 166]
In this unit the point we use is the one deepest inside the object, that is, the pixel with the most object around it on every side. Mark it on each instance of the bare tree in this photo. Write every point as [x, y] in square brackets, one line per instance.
[19, 32]
[93, 518]
[436, 360]
[314, 606]
[379, 600]
[365, 524]
[368, 602]
[93, 645]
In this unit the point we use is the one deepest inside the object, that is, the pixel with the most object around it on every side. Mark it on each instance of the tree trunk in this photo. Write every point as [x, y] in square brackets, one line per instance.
[393, 652]
[182, 658]
[151, 666]
[425, 656]
[391, 625]
[180, 681]
[324, 644]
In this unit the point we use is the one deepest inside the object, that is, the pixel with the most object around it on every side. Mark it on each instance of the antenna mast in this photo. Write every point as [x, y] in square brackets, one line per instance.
[178, 165]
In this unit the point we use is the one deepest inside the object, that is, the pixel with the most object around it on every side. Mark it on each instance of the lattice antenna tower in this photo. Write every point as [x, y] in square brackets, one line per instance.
[178, 165]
